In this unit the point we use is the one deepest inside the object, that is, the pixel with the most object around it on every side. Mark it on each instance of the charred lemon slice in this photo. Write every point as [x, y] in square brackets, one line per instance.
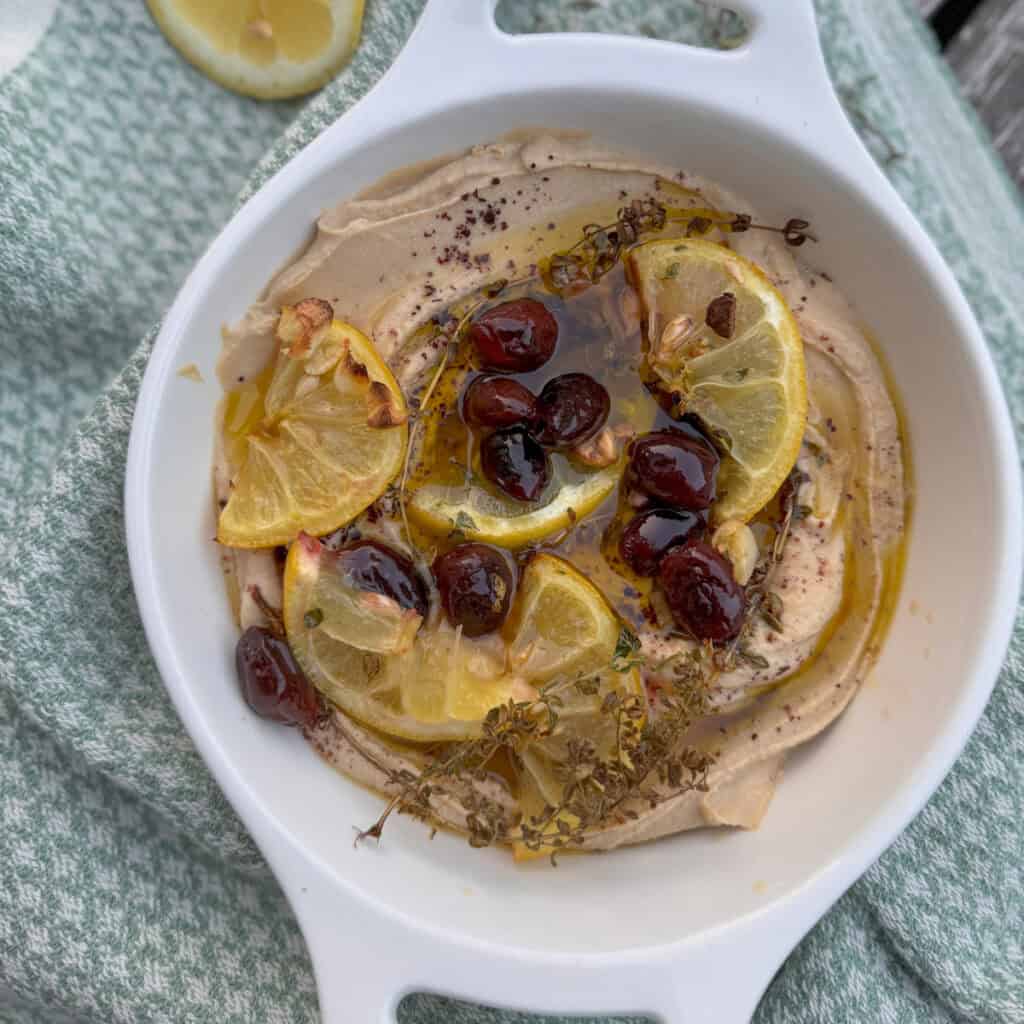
[329, 438]
[720, 334]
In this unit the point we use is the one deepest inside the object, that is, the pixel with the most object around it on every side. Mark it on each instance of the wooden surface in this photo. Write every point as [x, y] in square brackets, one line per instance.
[985, 49]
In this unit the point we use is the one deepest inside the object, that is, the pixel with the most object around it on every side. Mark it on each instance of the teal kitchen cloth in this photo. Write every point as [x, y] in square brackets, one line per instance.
[129, 891]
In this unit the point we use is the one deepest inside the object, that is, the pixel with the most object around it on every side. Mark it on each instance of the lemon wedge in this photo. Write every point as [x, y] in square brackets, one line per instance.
[560, 625]
[720, 334]
[269, 49]
[330, 436]
[481, 515]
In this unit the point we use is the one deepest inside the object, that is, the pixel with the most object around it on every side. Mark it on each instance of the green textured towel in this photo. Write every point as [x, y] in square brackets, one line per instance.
[128, 889]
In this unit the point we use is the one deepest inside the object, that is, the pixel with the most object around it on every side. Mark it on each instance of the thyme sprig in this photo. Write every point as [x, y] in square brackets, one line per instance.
[760, 600]
[651, 764]
[603, 245]
[648, 764]
[275, 622]
[452, 332]
[507, 727]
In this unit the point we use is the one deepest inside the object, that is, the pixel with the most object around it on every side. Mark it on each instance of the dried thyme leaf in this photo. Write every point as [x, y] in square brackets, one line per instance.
[771, 610]
[588, 686]
[752, 657]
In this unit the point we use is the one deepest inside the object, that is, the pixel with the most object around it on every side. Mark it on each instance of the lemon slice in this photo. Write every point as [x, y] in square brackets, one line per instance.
[270, 49]
[331, 436]
[481, 515]
[746, 380]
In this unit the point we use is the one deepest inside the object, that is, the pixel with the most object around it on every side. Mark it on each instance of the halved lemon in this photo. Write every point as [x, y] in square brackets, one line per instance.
[720, 334]
[442, 687]
[482, 515]
[331, 436]
[270, 49]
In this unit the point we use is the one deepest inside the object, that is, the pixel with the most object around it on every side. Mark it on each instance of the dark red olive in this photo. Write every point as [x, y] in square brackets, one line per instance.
[571, 408]
[498, 402]
[649, 536]
[515, 337]
[513, 460]
[674, 467]
[379, 569]
[475, 583]
[702, 592]
[272, 683]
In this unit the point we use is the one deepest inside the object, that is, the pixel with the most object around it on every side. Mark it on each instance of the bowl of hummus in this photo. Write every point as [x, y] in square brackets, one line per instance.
[612, 528]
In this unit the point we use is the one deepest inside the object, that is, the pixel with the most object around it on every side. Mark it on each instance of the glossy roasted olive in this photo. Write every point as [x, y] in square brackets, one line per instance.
[272, 683]
[379, 569]
[649, 536]
[701, 592]
[515, 337]
[498, 402]
[476, 585]
[571, 408]
[513, 460]
[675, 467]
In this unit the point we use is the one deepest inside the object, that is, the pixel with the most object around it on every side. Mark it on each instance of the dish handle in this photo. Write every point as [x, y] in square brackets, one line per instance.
[778, 75]
[366, 960]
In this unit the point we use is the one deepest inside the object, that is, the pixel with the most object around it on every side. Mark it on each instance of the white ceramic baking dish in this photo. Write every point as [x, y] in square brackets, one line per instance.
[690, 929]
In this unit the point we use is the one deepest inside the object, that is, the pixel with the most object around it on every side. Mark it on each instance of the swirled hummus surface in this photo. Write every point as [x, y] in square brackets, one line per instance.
[400, 256]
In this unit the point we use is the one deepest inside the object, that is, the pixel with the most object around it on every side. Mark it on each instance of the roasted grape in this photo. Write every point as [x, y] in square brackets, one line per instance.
[701, 592]
[272, 683]
[649, 536]
[515, 337]
[571, 408]
[498, 402]
[379, 569]
[476, 584]
[512, 459]
[675, 467]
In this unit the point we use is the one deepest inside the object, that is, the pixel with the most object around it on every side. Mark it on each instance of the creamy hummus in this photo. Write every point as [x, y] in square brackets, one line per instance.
[393, 257]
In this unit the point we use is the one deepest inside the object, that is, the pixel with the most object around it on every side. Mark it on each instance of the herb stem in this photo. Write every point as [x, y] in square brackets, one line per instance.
[450, 347]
